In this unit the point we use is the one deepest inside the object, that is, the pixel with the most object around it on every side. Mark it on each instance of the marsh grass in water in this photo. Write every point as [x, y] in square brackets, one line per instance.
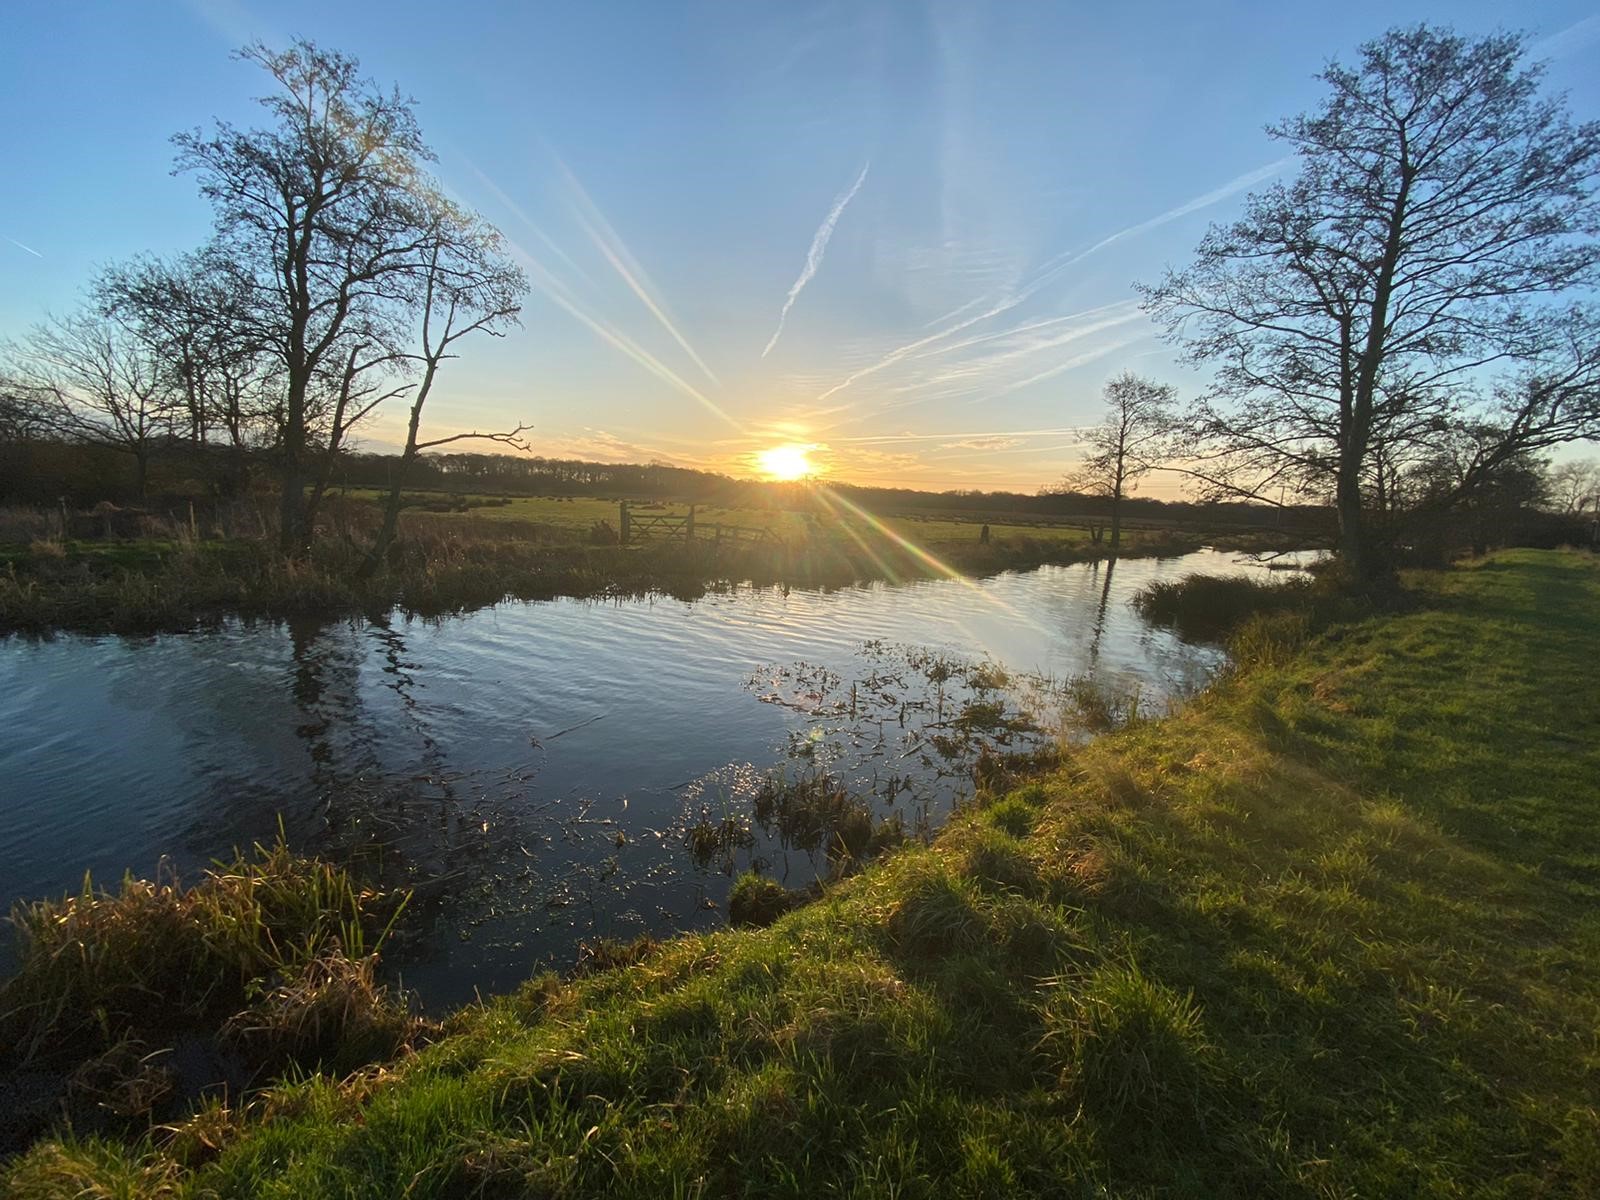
[266, 963]
[1209, 607]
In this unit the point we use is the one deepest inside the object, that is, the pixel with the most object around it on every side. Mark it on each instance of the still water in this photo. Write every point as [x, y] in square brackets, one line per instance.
[534, 769]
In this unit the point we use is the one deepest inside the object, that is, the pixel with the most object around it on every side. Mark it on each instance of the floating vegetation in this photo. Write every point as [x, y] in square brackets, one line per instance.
[819, 812]
[713, 838]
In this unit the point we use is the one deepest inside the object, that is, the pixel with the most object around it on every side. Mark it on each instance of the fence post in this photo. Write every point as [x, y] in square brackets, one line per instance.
[688, 529]
[622, 534]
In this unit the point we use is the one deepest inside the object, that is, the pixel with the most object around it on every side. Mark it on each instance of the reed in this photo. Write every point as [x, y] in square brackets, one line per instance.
[268, 959]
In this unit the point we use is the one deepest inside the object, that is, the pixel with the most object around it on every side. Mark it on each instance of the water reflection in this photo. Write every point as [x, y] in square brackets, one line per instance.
[534, 769]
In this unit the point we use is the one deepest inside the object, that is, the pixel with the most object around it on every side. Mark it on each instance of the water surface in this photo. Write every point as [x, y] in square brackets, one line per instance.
[532, 767]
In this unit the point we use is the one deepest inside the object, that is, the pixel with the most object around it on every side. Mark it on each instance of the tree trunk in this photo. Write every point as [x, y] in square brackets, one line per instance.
[294, 538]
[1353, 542]
[141, 473]
[1116, 518]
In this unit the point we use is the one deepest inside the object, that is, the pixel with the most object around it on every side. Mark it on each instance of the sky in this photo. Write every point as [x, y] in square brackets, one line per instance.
[901, 236]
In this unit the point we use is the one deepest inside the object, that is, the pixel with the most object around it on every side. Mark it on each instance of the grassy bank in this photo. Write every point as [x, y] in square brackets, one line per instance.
[1329, 931]
[448, 562]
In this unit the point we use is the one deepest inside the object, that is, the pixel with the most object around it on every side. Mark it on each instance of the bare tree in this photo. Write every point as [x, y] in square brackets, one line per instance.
[1575, 486]
[327, 216]
[469, 286]
[1127, 445]
[22, 414]
[96, 381]
[1441, 211]
[193, 310]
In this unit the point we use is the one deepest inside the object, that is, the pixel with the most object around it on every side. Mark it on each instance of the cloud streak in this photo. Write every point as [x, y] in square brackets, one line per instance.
[1052, 270]
[615, 251]
[20, 246]
[1232, 187]
[1575, 37]
[819, 245]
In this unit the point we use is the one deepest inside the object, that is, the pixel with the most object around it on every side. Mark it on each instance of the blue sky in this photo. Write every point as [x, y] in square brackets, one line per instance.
[957, 197]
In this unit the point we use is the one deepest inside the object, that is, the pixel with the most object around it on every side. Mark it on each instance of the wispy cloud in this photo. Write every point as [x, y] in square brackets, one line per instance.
[1575, 37]
[819, 245]
[20, 246]
[982, 443]
[1206, 200]
[1044, 276]
[233, 21]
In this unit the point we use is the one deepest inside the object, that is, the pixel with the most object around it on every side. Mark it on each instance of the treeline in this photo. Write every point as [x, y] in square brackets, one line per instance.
[47, 472]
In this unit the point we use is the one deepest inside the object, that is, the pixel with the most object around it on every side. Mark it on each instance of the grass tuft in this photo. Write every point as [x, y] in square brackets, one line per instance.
[1207, 608]
[756, 901]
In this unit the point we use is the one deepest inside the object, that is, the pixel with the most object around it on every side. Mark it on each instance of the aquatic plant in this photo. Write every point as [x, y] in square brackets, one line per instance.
[1207, 607]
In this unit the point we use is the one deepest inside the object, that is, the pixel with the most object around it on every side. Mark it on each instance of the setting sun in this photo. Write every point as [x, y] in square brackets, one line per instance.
[785, 462]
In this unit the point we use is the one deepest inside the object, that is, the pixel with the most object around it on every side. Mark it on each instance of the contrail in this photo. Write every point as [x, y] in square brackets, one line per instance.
[1248, 179]
[1051, 269]
[551, 285]
[1077, 360]
[1570, 40]
[611, 246]
[517, 211]
[894, 356]
[880, 438]
[819, 243]
[20, 246]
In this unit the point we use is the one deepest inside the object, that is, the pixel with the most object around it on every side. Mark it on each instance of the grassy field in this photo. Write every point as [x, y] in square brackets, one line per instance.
[1330, 931]
[578, 514]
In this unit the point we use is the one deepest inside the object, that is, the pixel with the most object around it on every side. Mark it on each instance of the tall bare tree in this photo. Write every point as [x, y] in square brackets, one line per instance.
[326, 214]
[194, 311]
[1442, 211]
[1127, 445]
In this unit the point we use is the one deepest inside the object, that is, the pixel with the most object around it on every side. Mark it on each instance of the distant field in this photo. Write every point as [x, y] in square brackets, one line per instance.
[580, 513]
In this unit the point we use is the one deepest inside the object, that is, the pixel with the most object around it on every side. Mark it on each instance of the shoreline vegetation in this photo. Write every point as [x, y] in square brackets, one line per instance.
[170, 574]
[1329, 929]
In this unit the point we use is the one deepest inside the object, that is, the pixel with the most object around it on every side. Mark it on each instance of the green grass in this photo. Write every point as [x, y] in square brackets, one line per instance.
[577, 514]
[1330, 931]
